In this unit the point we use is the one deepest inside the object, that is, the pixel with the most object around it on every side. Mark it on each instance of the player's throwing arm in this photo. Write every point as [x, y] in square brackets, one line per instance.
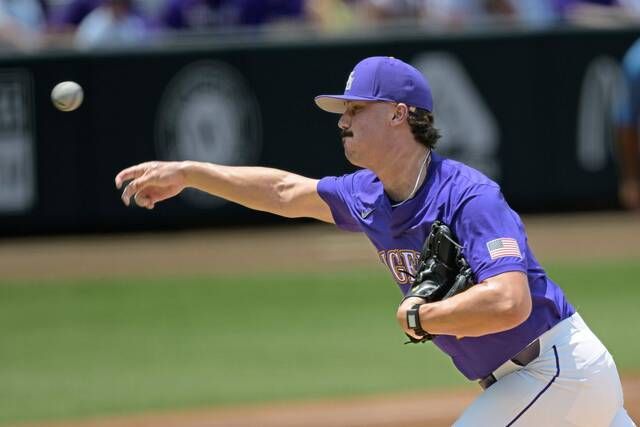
[264, 189]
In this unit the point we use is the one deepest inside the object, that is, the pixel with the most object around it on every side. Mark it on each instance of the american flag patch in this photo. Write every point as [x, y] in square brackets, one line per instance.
[505, 246]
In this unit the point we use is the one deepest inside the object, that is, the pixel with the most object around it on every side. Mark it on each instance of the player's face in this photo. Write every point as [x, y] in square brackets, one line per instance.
[363, 131]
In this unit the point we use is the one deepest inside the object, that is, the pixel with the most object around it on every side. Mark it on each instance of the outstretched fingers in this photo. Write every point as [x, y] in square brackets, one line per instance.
[138, 185]
[143, 199]
[132, 172]
[150, 182]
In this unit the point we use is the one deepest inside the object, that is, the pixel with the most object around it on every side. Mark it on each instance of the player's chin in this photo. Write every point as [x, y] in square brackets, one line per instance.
[352, 156]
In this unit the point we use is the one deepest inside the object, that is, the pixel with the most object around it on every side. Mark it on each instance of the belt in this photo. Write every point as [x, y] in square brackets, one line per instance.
[523, 358]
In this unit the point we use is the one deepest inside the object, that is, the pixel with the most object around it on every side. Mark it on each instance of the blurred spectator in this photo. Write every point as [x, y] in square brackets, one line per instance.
[628, 137]
[150, 9]
[331, 15]
[387, 10]
[535, 13]
[499, 7]
[217, 14]
[631, 6]
[22, 23]
[113, 23]
[259, 12]
[463, 13]
[199, 14]
[69, 17]
[564, 6]
[598, 12]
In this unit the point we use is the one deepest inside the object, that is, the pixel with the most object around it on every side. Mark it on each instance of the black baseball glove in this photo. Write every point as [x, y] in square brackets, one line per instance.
[441, 272]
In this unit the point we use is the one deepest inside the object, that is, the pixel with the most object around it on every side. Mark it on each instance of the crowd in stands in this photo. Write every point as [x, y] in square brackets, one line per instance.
[30, 24]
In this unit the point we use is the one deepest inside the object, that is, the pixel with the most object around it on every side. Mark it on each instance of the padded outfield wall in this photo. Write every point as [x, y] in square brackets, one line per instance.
[531, 109]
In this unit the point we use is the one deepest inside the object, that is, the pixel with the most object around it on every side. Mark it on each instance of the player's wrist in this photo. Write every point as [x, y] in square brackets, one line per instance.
[190, 170]
[414, 321]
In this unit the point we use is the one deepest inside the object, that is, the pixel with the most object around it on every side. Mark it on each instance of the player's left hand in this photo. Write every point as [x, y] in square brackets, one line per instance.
[401, 314]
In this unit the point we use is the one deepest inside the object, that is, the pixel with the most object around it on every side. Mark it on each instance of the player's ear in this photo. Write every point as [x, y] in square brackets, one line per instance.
[400, 114]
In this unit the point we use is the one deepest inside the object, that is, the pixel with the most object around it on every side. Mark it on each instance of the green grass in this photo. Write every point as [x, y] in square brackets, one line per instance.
[606, 295]
[104, 347]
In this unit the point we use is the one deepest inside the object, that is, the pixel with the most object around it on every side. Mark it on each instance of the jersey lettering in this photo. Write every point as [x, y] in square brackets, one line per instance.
[399, 262]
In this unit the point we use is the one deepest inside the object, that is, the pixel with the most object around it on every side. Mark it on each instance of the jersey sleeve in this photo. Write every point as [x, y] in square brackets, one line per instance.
[337, 192]
[491, 233]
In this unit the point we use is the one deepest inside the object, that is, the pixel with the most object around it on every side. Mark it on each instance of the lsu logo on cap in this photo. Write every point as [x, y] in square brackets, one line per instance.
[349, 81]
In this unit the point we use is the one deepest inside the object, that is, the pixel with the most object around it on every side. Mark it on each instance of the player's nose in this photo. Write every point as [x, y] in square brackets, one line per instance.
[344, 122]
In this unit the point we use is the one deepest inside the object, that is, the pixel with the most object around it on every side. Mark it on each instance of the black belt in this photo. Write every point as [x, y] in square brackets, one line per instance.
[523, 358]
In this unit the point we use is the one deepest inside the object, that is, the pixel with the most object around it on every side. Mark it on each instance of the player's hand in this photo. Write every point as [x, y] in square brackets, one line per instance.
[151, 182]
[401, 314]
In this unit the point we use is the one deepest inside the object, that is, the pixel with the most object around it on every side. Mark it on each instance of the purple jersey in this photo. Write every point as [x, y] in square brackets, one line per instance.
[492, 234]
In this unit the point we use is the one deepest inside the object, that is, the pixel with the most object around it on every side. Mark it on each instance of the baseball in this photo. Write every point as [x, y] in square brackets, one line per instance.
[67, 96]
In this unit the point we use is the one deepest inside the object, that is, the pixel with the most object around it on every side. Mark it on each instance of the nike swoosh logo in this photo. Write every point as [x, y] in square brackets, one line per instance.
[365, 213]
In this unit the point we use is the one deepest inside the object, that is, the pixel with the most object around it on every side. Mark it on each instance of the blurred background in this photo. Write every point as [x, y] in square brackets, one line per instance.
[202, 312]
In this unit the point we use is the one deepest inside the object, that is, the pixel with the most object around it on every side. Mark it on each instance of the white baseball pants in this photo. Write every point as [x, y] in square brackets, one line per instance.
[574, 382]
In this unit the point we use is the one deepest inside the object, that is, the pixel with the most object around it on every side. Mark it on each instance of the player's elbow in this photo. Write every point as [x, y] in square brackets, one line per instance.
[515, 312]
[515, 309]
[297, 197]
[283, 202]
[513, 300]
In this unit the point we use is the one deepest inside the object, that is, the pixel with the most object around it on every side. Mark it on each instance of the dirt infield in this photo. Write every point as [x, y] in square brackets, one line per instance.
[288, 248]
[297, 247]
[401, 410]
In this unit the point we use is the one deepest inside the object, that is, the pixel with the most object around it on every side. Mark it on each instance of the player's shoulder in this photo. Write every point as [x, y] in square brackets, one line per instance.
[362, 178]
[362, 185]
[462, 177]
[366, 177]
[460, 186]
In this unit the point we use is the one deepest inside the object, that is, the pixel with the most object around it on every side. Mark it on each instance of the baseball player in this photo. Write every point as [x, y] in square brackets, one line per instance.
[513, 331]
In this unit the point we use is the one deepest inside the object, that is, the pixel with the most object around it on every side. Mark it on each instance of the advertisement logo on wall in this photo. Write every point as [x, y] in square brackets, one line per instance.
[470, 131]
[603, 90]
[17, 174]
[208, 113]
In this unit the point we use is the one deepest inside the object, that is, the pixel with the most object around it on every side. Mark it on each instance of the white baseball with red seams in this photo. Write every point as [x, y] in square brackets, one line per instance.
[67, 96]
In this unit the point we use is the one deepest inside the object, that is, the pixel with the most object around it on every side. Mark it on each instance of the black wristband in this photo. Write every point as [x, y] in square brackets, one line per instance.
[413, 321]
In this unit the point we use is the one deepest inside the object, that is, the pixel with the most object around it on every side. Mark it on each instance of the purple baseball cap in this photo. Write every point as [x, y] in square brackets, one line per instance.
[381, 78]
